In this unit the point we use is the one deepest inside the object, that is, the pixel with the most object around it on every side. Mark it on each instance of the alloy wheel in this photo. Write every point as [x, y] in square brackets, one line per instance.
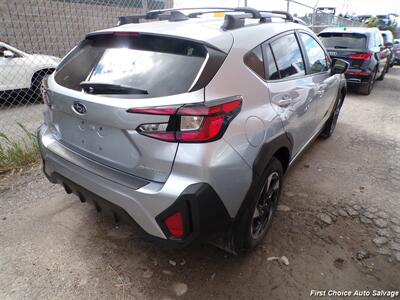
[265, 206]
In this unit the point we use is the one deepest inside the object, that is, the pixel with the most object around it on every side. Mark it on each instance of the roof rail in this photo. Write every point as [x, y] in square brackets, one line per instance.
[231, 21]
[284, 14]
[234, 21]
[173, 16]
[206, 10]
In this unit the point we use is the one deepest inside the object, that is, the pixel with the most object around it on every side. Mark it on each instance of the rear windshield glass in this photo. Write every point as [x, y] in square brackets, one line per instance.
[158, 65]
[339, 40]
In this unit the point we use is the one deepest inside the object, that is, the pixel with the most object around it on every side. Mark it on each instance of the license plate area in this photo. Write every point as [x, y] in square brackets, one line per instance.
[110, 145]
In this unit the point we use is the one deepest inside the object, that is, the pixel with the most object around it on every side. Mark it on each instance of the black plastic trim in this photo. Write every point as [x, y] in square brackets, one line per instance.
[268, 150]
[204, 213]
[214, 63]
[263, 158]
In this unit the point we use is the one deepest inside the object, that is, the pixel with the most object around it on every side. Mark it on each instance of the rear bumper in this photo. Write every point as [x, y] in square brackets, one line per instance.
[147, 203]
[355, 79]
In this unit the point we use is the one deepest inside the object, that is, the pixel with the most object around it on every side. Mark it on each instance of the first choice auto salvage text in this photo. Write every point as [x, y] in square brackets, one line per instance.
[355, 293]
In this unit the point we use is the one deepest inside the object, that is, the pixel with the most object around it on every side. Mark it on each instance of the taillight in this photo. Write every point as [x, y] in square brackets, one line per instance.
[126, 33]
[175, 225]
[360, 56]
[190, 123]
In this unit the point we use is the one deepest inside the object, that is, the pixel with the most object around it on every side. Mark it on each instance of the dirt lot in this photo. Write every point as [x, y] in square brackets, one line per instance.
[339, 228]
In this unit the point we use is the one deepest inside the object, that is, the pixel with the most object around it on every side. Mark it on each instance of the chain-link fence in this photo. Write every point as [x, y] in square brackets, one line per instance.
[319, 18]
[35, 34]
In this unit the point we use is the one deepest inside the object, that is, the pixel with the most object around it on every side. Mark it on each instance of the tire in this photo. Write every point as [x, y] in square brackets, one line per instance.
[366, 89]
[256, 220]
[380, 78]
[330, 124]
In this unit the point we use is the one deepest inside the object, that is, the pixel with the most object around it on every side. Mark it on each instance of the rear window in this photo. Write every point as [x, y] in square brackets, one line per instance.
[339, 40]
[159, 65]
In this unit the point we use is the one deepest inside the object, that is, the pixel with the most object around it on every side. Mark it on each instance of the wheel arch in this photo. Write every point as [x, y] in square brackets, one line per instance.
[280, 148]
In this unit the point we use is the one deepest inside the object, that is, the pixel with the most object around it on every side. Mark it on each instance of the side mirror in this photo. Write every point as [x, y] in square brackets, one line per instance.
[8, 54]
[339, 66]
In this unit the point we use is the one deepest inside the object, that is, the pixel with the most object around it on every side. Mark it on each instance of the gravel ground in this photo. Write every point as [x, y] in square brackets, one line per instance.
[338, 227]
[29, 115]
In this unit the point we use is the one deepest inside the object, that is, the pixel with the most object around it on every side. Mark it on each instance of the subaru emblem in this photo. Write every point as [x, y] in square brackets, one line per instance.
[79, 108]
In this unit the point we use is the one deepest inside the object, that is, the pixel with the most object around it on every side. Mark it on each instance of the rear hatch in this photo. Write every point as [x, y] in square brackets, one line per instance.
[108, 74]
[345, 45]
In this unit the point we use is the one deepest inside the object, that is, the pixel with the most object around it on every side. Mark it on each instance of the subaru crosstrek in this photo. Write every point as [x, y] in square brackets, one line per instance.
[187, 125]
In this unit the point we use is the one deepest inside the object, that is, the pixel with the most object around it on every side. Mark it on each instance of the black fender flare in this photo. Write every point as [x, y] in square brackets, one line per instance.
[264, 156]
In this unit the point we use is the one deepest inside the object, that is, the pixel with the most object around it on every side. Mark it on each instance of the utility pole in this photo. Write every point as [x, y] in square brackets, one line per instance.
[288, 4]
[245, 3]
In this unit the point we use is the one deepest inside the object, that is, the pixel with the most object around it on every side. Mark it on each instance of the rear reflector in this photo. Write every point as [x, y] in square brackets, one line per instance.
[357, 73]
[175, 225]
[190, 123]
[361, 56]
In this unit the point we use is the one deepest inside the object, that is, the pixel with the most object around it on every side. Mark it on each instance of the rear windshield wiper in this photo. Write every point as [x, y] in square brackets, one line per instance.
[341, 47]
[109, 88]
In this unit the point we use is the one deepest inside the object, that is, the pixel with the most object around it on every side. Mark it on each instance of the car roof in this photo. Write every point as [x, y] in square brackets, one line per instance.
[362, 30]
[209, 31]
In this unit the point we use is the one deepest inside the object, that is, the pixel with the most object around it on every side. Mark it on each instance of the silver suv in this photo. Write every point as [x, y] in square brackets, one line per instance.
[188, 124]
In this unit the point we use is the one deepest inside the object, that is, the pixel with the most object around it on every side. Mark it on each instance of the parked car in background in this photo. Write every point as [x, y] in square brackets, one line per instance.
[396, 46]
[363, 48]
[364, 18]
[189, 127]
[386, 20]
[388, 42]
[20, 71]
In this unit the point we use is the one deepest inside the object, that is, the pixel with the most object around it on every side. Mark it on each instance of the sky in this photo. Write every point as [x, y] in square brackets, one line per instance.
[343, 6]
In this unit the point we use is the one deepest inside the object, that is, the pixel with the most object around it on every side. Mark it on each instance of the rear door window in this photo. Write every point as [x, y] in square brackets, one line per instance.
[161, 66]
[289, 60]
[272, 69]
[340, 40]
[316, 55]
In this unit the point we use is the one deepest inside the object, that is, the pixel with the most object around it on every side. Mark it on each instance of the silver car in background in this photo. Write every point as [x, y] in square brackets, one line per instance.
[188, 125]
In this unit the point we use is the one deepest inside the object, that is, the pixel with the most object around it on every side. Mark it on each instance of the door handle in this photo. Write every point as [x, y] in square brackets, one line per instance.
[286, 101]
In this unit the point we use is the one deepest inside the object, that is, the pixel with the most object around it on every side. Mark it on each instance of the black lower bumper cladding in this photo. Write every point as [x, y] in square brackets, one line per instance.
[205, 216]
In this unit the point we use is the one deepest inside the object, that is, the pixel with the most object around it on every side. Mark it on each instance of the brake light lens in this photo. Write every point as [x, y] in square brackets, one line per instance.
[175, 225]
[190, 123]
[361, 56]
[127, 34]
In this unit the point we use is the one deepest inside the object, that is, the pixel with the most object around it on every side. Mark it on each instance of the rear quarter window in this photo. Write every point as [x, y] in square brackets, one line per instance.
[254, 60]
[161, 66]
